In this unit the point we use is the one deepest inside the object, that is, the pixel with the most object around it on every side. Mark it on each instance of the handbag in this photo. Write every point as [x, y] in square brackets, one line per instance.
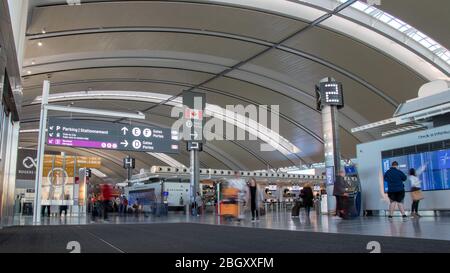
[417, 195]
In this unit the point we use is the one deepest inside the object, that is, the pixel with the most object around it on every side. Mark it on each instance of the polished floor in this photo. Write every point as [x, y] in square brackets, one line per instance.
[427, 227]
[200, 238]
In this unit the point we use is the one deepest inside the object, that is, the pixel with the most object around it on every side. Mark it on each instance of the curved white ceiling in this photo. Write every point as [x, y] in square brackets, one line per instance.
[393, 48]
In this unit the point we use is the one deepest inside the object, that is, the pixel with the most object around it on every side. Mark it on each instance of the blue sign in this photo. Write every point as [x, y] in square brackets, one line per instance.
[330, 175]
[166, 193]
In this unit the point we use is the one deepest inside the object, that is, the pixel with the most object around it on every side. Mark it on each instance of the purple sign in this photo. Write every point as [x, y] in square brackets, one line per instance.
[82, 143]
[111, 136]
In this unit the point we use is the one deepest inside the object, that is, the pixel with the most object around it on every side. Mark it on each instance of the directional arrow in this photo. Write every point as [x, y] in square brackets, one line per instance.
[124, 143]
[124, 130]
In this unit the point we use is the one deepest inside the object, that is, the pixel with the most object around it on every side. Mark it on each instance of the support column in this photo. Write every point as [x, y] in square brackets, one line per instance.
[40, 153]
[330, 98]
[195, 175]
[331, 149]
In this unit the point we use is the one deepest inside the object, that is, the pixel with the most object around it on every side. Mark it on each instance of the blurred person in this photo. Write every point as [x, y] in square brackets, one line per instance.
[116, 204]
[125, 204]
[340, 193]
[267, 194]
[317, 203]
[136, 207]
[119, 200]
[416, 192]
[64, 207]
[95, 207]
[396, 189]
[253, 199]
[307, 196]
[106, 198]
[198, 204]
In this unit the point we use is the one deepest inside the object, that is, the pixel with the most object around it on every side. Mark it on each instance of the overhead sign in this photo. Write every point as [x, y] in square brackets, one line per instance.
[194, 145]
[129, 163]
[193, 117]
[111, 136]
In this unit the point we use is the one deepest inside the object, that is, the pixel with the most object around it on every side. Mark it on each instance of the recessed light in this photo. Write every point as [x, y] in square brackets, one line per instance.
[43, 31]
[28, 72]
[32, 62]
[39, 43]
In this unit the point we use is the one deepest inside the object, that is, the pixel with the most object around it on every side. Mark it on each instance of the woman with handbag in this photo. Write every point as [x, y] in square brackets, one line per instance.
[416, 193]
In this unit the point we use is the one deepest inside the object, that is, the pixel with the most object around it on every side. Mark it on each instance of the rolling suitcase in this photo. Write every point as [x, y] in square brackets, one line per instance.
[348, 207]
[295, 210]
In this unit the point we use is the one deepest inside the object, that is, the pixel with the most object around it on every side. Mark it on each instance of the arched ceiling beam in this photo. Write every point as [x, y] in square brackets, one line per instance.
[281, 47]
[260, 80]
[269, 84]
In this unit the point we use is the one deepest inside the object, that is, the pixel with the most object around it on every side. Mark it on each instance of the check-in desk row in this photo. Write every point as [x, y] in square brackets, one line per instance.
[275, 204]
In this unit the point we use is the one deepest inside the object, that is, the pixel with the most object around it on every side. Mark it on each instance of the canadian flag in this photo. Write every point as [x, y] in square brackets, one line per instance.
[193, 114]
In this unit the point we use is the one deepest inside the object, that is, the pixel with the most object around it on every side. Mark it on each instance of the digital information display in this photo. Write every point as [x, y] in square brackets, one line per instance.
[111, 136]
[331, 93]
[142, 197]
[436, 175]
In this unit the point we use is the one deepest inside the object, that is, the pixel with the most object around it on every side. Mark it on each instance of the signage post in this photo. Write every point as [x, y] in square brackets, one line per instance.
[329, 99]
[129, 164]
[194, 105]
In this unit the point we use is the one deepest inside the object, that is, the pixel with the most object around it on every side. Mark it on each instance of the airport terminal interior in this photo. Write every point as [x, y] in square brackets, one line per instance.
[225, 126]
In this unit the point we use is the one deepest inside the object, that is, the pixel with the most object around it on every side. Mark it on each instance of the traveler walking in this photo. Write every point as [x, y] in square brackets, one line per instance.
[198, 204]
[106, 197]
[125, 204]
[340, 193]
[416, 192]
[317, 204]
[307, 197]
[253, 203]
[396, 189]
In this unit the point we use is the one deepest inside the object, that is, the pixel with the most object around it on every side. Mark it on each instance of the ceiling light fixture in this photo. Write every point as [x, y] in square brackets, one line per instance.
[98, 173]
[39, 43]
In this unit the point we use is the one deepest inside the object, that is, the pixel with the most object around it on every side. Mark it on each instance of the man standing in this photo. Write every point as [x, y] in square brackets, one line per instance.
[253, 203]
[340, 193]
[396, 189]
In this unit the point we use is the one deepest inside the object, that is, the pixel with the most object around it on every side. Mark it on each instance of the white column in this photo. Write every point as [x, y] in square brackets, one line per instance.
[40, 153]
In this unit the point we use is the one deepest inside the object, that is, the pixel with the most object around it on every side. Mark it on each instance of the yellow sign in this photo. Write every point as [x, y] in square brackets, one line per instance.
[68, 163]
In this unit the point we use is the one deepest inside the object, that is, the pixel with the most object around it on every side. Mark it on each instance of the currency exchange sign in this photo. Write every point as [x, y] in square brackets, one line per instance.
[111, 136]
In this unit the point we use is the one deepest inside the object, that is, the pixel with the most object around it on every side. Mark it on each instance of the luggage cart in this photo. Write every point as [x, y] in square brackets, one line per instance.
[232, 199]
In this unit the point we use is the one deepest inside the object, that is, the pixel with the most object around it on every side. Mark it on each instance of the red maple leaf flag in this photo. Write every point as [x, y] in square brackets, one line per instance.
[193, 114]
